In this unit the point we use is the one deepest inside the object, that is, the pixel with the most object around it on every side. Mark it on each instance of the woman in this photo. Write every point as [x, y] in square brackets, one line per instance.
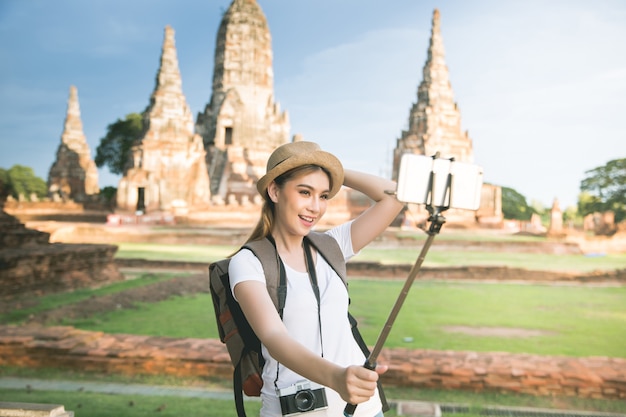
[313, 341]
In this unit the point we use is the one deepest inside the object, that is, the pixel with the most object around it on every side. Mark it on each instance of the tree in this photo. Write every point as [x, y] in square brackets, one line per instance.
[604, 189]
[514, 205]
[22, 180]
[108, 193]
[4, 184]
[114, 149]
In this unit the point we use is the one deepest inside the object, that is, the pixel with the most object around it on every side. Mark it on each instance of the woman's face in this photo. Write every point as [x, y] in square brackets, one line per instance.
[301, 202]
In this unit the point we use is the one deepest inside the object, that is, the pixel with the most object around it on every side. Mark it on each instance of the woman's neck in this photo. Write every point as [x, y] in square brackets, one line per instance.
[290, 249]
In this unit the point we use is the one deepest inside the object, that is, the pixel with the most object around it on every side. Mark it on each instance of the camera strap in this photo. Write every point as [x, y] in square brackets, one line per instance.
[310, 267]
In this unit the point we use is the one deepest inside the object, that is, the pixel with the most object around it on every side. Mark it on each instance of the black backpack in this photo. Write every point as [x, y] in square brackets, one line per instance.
[234, 330]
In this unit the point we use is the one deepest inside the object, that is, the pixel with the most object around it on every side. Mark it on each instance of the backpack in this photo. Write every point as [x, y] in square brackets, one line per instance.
[234, 330]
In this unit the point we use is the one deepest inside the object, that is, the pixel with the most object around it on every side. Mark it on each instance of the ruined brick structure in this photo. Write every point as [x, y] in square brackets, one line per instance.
[242, 123]
[435, 127]
[29, 264]
[73, 175]
[167, 170]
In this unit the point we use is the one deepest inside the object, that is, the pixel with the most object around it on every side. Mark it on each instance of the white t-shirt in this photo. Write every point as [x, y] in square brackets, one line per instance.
[301, 319]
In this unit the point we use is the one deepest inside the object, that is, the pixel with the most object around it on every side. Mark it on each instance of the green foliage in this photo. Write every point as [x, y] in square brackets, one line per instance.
[514, 205]
[571, 214]
[4, 184]
[108, 193]
[114, 149]
[604, 189]
[588, 203]
[22, 180]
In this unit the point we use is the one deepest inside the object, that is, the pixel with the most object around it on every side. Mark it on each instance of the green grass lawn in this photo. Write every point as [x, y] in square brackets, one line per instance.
[51, 301]
[434, 258]
[86, 404]
[531, 261]
[572, 320]
[161, 252]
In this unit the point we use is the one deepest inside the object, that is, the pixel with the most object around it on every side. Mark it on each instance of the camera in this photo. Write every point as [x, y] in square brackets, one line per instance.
[301, 397]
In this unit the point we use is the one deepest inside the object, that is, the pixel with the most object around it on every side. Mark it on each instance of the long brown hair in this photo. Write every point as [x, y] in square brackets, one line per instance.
[264, 226]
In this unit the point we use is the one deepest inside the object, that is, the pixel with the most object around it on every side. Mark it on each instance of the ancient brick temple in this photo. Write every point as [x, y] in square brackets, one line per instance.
[167, 170]
[435, 120]
[435, 126]
[242, 123]
[73, 175]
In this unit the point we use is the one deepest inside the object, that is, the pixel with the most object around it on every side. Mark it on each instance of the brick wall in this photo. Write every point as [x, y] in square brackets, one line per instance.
[36, 346]
[56, 267]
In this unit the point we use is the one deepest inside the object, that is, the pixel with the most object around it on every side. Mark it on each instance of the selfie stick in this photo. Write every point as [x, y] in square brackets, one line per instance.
[437, 220]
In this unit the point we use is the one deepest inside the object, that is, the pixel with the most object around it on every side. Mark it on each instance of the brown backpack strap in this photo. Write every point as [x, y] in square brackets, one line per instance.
[328, 247]
[265, 251]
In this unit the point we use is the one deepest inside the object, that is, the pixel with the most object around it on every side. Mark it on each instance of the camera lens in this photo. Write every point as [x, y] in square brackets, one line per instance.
[304, 400]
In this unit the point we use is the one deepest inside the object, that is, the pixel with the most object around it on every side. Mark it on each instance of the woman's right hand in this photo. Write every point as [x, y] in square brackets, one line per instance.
[357, 384]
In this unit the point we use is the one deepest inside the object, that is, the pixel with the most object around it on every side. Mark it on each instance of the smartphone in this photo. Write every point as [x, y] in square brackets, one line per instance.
[439, 182]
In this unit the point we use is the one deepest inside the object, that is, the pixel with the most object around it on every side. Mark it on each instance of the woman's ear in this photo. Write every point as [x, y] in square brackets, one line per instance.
[272, 191]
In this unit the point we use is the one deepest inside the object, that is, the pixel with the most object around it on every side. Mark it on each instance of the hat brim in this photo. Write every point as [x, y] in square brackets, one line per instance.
[320, 158]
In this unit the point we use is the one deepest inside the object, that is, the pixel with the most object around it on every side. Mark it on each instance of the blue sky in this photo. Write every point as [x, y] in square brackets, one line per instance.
[541, 85]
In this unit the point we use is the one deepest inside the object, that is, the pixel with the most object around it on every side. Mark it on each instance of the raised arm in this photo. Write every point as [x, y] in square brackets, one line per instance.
[379, 216]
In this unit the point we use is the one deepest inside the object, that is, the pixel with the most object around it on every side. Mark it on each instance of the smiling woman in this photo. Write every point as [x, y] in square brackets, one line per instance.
[308, 339]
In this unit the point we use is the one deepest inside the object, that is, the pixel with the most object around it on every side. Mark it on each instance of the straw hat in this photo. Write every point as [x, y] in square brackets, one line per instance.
[295, 154]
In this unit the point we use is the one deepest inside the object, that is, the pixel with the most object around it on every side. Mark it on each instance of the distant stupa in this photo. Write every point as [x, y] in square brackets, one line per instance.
[435, 120]
[167, 169]
[242, 123]
[73, 175]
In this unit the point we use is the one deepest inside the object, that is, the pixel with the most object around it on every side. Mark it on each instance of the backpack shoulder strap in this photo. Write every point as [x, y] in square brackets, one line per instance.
[265, 251]
[328, 247]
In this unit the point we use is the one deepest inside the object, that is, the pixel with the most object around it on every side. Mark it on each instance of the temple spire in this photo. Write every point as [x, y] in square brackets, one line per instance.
[242, 123]
[434, 121]
[168, 105]
[73, 135]
[167, 169]
[73, 175]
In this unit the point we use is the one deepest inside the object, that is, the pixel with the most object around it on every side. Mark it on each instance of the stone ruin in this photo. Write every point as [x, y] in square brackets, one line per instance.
[174, 169]
[211, 167]
[73, 175]
[167, 169]
[602, 224]
[242, 124]
[30, 265]
[555, 229]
